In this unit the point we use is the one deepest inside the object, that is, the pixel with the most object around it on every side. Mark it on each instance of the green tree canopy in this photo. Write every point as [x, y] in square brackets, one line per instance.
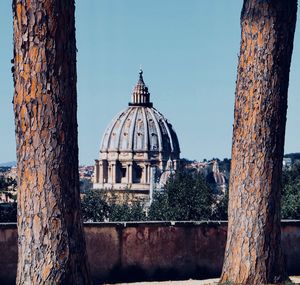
[291, 192]
[96, 207]
[186, 197]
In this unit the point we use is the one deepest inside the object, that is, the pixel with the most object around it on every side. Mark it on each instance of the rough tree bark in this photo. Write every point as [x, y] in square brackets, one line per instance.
[51, 240]
[253, 253]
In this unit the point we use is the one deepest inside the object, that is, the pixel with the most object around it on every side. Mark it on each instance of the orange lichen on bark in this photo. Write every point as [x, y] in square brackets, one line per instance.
[19, 12]
[33, 87]
[46, 271]
[33, 53]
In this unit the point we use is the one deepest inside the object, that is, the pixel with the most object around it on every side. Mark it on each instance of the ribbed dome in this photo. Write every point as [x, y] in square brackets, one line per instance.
[140, 129]
[139, 149]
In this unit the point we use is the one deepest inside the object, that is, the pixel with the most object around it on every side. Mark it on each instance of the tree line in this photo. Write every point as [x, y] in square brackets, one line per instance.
[187, 196]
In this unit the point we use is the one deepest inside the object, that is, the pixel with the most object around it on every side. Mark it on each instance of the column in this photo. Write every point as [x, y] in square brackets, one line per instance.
[176, 164]
[152, 182]
[143, 178]
[147, 173]
[129, 173]
[113, 172]
[101, 172]
[96, 177]
[109, 173]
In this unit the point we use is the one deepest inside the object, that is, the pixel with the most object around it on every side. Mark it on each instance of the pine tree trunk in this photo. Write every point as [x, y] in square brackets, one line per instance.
[51, 239]
[253, 253]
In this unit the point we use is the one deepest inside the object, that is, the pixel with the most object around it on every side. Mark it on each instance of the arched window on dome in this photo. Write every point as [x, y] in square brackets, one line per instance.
[104, 171]
[137, 173]
[154, 141]
[118, 172]
[124, 141]
[139, 133]
[123, 174]
[139, 141]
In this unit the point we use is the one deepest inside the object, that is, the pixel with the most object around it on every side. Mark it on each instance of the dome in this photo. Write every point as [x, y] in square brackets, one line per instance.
[140, 129]
[138, 147]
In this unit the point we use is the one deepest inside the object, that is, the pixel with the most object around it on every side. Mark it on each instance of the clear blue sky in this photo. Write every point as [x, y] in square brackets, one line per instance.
[188, 50]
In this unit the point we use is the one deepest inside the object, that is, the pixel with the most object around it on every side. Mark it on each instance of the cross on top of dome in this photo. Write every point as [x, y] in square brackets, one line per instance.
[140, 94]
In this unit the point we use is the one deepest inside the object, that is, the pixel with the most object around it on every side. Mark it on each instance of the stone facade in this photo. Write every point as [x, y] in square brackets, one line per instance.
[139, 148]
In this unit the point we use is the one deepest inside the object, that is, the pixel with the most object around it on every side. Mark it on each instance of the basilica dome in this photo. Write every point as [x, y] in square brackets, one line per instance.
[137, 147]
[139, 129]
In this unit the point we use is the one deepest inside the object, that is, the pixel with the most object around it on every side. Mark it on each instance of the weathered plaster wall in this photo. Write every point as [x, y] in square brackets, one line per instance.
[8, 253]
[141, 251]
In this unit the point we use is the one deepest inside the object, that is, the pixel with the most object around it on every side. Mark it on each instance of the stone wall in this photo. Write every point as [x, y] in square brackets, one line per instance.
[152, 250]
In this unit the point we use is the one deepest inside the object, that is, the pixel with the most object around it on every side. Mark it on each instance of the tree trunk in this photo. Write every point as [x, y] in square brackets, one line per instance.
[51, 239]
[253, 253]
